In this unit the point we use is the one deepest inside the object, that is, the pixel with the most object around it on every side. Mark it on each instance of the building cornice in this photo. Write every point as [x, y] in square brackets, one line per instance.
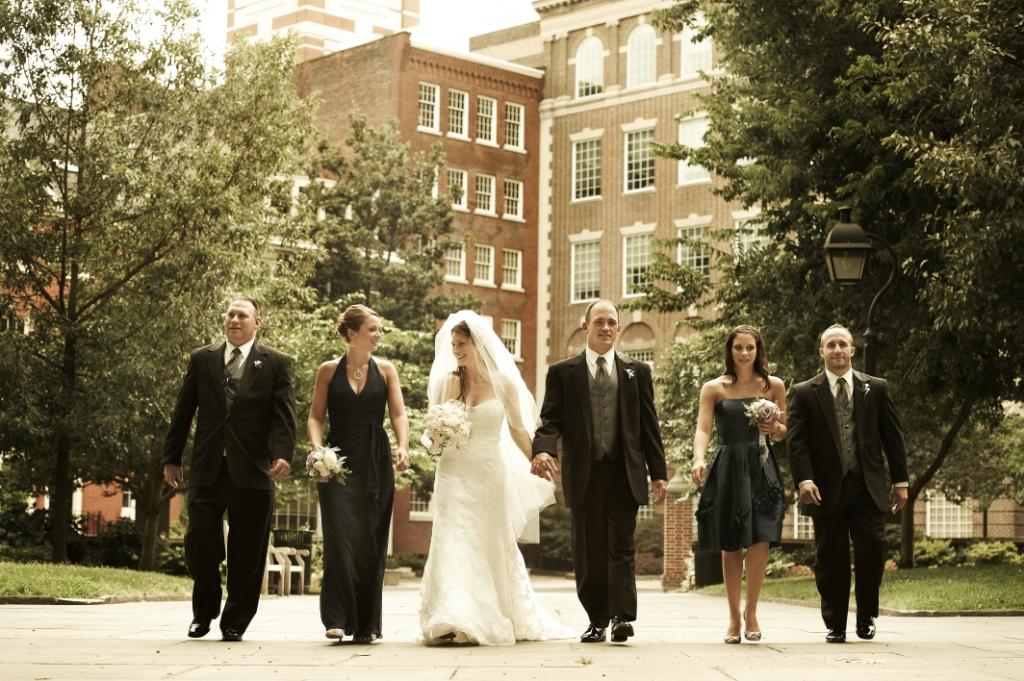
[481, 59]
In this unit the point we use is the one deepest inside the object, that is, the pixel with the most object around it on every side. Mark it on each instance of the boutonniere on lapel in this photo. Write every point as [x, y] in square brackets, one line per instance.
[630, 373]
[866, 389]
[258, 364]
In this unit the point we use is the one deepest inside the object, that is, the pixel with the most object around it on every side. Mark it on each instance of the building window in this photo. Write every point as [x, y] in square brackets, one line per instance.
[514, 114]
[512, 336]
[637, 258]
[639, 160]
[486, 131]
[430, 119]
[455, 264]
[419, 504]
[458, 114]
[946, 520]
[691, 134]
[693, 249]
[457, 188]
[485, 194]
[8, 320]
[512, 269]
[695, 57]
[645, 356]
[586, 169]
[513, 199]
[641, 56]
[803, 525]
[586, 271]
[749, 235]
[590, 67]
[127, 504]
[483, 265]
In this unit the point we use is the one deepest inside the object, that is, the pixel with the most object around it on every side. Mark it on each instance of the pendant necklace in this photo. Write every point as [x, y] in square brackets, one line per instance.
[357, 374]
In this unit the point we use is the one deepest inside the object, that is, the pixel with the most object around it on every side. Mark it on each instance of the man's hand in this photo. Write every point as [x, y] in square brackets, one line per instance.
[173, 475]
[401, 459]
[658, 490]
[898, 499]
[279, 470]
[543, 465]
[809, 493]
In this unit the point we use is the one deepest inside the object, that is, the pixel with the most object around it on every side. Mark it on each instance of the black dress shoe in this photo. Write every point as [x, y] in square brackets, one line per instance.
[621, 629]
[594, 634]
[230, 634]
[198, 628]
[835, 636]
[866, 630]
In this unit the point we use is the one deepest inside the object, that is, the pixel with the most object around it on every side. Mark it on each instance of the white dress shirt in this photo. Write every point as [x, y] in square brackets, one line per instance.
[229, 348]
[609, 359]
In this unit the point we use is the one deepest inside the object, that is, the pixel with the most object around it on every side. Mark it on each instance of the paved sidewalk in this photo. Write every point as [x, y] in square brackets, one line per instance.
[679, 638]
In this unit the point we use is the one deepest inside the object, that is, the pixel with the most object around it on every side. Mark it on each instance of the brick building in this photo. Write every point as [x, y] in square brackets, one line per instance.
[484, 113]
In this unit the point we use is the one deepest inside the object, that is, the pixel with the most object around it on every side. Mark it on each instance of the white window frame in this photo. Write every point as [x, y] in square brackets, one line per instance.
[695, 57]
[515, 281]
[642, 56]
[744, 241]
[455, 115]
[646, 155]
[488, 278]
[434, 127]
[513, 188]
[587, 137]
[492, 140]
[577, 242]
[492, 211]
[515, 126]
[420, 509]
[630, 234]
[803, 525]
[691, 224]
[589, 62]
[691, 133]
[517, 337]
[645, 355]
[945, 520]
[461, 277]
[463, 203]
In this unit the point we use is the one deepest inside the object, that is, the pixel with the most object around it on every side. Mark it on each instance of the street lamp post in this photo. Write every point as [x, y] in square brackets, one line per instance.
[847, 248]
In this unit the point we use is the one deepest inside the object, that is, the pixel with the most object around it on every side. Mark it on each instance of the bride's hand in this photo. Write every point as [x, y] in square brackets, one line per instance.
[401, 458]
[544, 466]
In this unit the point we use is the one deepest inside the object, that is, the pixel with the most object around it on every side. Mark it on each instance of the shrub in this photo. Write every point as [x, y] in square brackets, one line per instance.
[650, 540]
[934, 552]
[993, 552]
[411, 560]
[172, 559]
[802, 554]
[779, 564]
[120, 544]
[555, 538]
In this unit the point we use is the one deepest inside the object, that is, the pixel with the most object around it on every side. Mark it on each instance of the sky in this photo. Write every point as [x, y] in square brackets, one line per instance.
[443, 23]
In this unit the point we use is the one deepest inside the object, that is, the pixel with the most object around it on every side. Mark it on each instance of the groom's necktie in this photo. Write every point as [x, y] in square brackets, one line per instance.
[845, 426]
[232, 374]
[601, 377]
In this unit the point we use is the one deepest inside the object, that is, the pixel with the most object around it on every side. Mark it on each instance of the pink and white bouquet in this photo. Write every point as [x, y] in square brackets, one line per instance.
[326, 463]
[447, 427]
[762, 411]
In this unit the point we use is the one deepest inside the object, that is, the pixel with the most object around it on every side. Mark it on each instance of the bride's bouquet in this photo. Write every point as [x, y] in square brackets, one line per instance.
[447, 426]
[762, 411]
[325, 463]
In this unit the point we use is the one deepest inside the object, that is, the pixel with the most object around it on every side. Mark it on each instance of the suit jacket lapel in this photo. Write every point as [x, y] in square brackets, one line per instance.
[828, 406]
[628, 394]
[250, 371]
[859, 396]
[581, 381]
[216, 367]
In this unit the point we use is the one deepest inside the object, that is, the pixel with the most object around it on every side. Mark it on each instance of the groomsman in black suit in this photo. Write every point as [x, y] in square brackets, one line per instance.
[243, 444]
[839, 423]
[601, 404]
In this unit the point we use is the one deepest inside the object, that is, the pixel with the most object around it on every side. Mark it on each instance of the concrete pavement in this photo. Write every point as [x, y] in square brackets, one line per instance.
[679, 637]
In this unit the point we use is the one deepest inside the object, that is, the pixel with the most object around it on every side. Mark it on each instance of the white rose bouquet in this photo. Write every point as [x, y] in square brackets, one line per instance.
[762, 411]
[447, 426]
[325, 463]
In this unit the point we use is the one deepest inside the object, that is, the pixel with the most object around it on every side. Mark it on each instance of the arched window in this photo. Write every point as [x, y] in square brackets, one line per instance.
[695, 56]
[589, 67]
[641, 56]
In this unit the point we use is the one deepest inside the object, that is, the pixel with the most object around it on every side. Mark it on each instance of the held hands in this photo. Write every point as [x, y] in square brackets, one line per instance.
[658, 490]
[897, 499]
[543, 465]
[401, 459]
[279, 470]
[173, 475]
[698, 471]
[809, 493]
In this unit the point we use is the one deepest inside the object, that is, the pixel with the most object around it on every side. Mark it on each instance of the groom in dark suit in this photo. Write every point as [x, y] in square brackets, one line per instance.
[839, 423]
[243, 444]
[601, 404]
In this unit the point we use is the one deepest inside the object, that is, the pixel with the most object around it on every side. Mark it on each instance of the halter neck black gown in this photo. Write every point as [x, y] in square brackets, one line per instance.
[357, 515]
[741, 501]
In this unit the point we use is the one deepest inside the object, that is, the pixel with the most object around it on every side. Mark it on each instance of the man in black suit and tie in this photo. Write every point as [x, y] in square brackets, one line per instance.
[839, 423]
[243, 444]
[601, 404]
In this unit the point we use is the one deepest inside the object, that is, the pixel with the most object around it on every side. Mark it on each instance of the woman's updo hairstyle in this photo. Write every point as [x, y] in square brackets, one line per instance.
[353, 318]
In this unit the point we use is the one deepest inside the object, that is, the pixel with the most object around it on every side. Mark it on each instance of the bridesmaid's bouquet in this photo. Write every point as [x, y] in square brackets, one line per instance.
[762, 411]
[325, 463]
[447, 426]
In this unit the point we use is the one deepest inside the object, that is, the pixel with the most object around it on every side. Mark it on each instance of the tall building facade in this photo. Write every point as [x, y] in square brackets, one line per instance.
[484, 114]
[321, 26]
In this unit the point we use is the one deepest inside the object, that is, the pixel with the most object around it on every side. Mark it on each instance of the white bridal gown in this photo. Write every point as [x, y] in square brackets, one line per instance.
[475, 583]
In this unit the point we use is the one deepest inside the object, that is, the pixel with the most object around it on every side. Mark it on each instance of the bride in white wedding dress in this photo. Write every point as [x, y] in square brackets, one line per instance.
[475, 586]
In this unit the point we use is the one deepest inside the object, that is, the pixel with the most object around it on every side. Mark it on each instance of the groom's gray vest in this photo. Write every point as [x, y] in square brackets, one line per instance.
[604, 411]
[847, 437]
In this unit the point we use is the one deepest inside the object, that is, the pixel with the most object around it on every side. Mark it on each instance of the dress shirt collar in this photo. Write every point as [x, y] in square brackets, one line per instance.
[609, 358]
[246, 349]
[833, 378]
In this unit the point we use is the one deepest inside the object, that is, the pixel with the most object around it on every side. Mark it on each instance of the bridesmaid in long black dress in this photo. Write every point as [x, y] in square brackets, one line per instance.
[741, 503]
[353, 391]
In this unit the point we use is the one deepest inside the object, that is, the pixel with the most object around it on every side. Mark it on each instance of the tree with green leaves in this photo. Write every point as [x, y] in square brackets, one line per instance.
[132, 185]
[909, 112]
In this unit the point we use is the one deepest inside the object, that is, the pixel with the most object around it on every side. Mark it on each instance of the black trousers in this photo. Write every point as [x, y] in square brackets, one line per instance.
[249, 514]
[856, 520]
[603, 548]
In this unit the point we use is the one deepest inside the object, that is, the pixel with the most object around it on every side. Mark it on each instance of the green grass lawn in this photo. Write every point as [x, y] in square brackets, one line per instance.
[76, 581]
[980, 587]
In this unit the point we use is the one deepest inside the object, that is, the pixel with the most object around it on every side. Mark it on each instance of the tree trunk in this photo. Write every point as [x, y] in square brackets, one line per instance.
[907, 533]
[148, 516]
[60, 496]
